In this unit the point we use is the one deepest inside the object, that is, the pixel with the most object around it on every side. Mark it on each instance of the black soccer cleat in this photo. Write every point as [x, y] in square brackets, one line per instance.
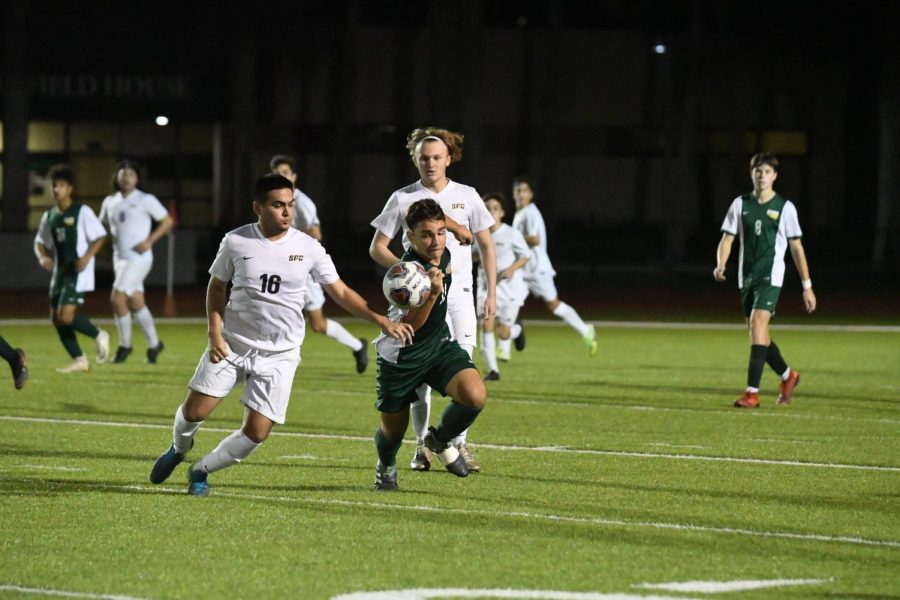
[166, 463]
[362, 356]
[385, 481]
[19, 369]
[449, 456]
[121, 354]
[492, 376]
[152, 353]
[519, 342]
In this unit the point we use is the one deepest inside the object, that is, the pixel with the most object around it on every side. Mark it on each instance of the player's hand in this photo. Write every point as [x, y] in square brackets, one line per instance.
[463, 235]
[82, 263]
[809, 300]
[46, 263]
[218, 349]
[505, 274]
[490, 307]
[398, 330]
[437, 280]
[719, 273]
[142, 247]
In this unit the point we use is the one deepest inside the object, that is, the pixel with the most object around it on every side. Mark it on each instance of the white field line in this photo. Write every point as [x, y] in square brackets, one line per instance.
[718, 587]
[544, 323]
[493, 514]
[51, 468]
[5, 587]
[551, 449]
[448, 593]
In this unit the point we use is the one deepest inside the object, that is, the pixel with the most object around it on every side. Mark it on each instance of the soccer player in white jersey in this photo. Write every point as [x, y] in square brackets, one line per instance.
[539, 272]
[130, 214]
[306, 219]
[767, 225]
[433, 150]
[254, 339]
[512, 254]
[67, 239]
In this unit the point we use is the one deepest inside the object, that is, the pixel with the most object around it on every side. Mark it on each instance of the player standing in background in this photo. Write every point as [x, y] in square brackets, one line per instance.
[767, 224]
[255, 338]
[16, 359]
[512, 254]
[433, 150]
[306, 220]
[130, 214]
[539, 271]
[72, 234]
[431, 358]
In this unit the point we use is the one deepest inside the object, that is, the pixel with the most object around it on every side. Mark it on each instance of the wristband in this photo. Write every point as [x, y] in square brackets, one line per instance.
[807, 284]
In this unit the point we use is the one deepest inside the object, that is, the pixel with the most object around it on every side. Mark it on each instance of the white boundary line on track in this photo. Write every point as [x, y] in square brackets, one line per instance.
[551, 449]
[547, 323]
[589, 521]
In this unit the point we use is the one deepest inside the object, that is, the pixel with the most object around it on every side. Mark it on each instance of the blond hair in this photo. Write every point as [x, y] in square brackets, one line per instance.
[451, 139]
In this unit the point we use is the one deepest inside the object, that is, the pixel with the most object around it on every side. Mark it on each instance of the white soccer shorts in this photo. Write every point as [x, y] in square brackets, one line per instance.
[541, 284]
[131, 273]
[267, 378]
[315, 295]
[509, 301]
[461, 316]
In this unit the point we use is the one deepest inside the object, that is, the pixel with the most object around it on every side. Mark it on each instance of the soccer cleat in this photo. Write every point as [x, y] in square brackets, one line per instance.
[153, 352]
[166, 463]
[362, 356]
[787, 388]
[78, 364]
[501, 355]
[121, 354]
[492, 376]
[422, 459]
[197, 485]
[590, 340]
[748, 400]
[468, 457]
[519, 341]
[385, 480]
[447, 454]
[19, 369]
[102, 341]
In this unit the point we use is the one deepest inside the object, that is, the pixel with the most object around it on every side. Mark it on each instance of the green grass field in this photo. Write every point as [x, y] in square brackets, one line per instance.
[601, 477]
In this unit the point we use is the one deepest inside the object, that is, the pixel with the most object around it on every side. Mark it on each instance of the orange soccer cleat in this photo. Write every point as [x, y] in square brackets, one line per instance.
[787, 388]
[747, 400]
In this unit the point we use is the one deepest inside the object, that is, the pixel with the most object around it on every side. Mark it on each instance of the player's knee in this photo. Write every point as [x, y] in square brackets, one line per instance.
[63, 319]
[474, 395]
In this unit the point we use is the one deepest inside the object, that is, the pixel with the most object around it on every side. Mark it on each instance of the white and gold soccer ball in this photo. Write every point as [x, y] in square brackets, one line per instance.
[406, 285]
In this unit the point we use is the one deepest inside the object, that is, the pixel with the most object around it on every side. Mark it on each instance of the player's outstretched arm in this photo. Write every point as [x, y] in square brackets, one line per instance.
[380, 252]
[461, 232]
[799, 256]
[348, 299]
[722, 254]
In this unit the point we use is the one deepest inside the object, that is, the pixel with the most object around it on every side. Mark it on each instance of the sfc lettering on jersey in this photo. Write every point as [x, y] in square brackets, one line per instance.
[772, 214]
[458, 206]
[295, 257]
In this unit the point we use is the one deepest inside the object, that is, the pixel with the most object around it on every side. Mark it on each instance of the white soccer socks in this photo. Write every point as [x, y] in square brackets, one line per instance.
[230, 451]
[337, 332]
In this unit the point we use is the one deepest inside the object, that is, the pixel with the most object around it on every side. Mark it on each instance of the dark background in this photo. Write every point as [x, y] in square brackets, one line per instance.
[636, 155]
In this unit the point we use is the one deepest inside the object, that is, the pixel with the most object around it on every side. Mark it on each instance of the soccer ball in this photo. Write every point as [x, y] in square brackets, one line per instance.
[406, 285]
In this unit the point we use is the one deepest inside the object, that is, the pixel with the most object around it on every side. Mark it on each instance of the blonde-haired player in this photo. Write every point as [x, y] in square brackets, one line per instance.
[432, 150]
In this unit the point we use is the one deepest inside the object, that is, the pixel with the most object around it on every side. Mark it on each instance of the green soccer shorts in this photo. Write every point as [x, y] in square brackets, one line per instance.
[759, 296]
[64, 292]
[396, 383]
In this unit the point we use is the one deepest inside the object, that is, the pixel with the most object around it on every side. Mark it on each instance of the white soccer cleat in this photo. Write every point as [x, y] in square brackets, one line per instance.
[102, 342]
[77, 365]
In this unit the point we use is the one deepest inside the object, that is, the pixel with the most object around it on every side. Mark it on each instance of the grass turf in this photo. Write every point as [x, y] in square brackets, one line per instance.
[598, 475]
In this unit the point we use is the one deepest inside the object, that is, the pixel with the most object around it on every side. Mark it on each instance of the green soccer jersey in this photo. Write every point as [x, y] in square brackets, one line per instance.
[434, 331]
[764, 230]
[64, 232]
[67, 234]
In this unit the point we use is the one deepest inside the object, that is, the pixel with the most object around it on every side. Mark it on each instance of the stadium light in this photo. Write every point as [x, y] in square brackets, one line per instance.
[660, 48]
[162, 120]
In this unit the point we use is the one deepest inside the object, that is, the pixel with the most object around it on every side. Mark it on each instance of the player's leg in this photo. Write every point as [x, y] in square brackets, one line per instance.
[16, 359]
[768, 298]
[63, 316]
[464, 327]
[118, 300]
[544, 287]
[395, 390]
[315, 300]
[388, 439]
[489, 349]
[141, 313]
[83, 325]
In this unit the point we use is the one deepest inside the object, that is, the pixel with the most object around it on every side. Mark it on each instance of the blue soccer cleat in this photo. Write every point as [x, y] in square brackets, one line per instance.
[166, 463]
[197, 485]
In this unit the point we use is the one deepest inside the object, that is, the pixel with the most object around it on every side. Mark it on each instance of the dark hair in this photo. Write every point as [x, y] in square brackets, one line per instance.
[269, 183]
[494, 196]
[452, 139]
[126, 164]
[283, 159]
[523, 179]
[61, 172]
[425, 209]
[764, 158]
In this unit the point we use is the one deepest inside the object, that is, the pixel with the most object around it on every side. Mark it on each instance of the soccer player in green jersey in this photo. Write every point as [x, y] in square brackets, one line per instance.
[67, 239]
[431, 358]
[767, 225]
